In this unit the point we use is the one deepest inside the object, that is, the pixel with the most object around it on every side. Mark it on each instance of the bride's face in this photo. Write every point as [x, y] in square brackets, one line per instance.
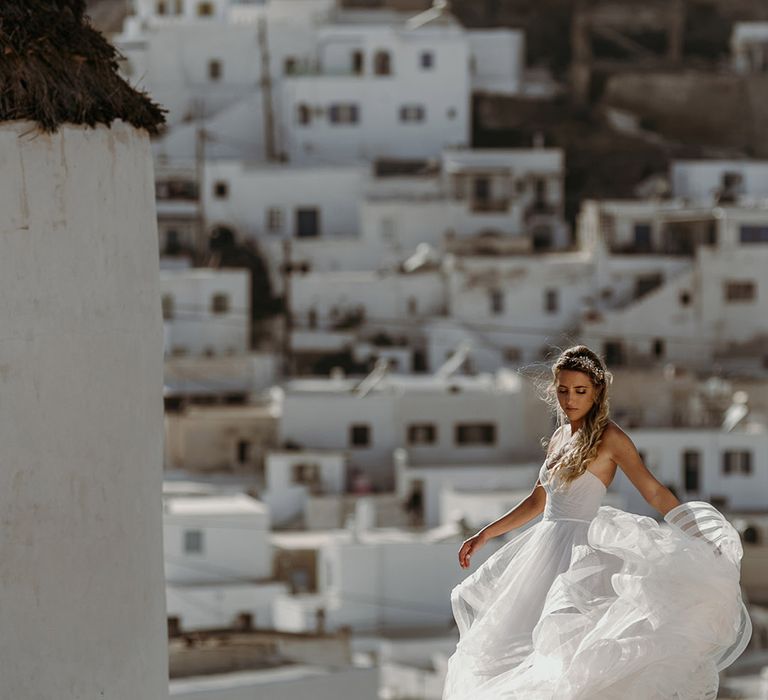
[576, 393]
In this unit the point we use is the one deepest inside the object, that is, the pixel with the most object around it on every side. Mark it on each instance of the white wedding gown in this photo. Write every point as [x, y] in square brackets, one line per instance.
[596, 603]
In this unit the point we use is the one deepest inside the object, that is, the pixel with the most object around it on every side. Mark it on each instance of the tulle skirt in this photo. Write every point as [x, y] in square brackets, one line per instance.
[620, 607]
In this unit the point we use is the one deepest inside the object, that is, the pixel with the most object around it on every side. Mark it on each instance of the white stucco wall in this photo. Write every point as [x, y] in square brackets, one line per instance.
[83, 613]
[218, 605]
[193, 325]
[233, 540]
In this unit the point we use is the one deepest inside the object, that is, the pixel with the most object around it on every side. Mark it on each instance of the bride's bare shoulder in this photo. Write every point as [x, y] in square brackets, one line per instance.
[614, 438]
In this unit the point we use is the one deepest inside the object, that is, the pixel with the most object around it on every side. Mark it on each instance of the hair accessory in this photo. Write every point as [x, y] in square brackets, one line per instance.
[589, 366]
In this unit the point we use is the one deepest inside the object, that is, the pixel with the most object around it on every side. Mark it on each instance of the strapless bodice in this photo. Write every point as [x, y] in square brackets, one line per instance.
[579, 500]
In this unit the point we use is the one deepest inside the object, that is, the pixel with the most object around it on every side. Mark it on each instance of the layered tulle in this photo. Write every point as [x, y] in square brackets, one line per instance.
[616, 607]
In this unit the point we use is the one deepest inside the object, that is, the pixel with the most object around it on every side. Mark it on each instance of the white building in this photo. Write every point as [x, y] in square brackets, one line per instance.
[274, 201]
[291, 477]
[499, 194]
[729, 468]
[720, 181]
[360, 579]
[320, 84]
[212, 539]
[367, 90]
[441, 419]
[206, 312]
[712, 308]
[219, 438]
[749, 47]
[218, 559]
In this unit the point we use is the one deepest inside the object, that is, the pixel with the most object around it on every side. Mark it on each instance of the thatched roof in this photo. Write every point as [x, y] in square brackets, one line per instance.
[55, 68]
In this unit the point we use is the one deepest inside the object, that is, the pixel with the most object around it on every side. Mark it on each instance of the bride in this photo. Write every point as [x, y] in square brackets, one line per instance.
[593, 602]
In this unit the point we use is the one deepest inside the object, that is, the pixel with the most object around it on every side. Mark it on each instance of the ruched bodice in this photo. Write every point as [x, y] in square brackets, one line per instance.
[579, 500]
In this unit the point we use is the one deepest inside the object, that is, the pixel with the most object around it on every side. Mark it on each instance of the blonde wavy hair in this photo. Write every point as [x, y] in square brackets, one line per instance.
[572, 460]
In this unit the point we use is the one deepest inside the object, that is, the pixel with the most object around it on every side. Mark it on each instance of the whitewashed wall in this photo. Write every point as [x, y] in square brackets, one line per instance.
[195, 326]
[207, 606]
[234, 532]
[254, 190]
[81, 427]
[700, 180]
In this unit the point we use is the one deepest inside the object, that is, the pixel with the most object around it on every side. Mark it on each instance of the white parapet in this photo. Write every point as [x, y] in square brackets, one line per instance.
[83, 612]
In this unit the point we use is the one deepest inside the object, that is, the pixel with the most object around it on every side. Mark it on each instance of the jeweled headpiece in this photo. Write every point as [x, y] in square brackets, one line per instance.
[587, 365]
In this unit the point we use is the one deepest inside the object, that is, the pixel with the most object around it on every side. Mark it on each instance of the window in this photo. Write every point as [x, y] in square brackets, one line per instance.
[220, 303]
[193, 542]
[496, 297]
[551, 300]
[179, 7]
[205, 9]
[357, 60]
[427, 60]
[737, 462]
[306, 474]
[360, 435]
[740, 291]
[274, 219]
[344, 113]
[161, 7]
[753, 234]
[422, 434]
[685, 297]
[691, 470]
[412, 113]
[451, 113]
[657, 347]
[289, 65]
[645, 284]
[243, 451]
[382, 63]
[642, 237]
[214, 69]
[512, 354]
[481, 188]
[413, 306]
[475, 434]
[751, 535]
[613, 351]
[307, 222]
[304, 114]
[168, 307]
[220, 189]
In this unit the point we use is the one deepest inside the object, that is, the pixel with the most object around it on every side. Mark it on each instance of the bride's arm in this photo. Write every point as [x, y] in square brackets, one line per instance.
[531, 506]
[624, 452]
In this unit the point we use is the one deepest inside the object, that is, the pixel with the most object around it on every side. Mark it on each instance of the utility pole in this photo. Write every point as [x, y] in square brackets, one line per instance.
[287, 270]
[265, 82]
[200, 138]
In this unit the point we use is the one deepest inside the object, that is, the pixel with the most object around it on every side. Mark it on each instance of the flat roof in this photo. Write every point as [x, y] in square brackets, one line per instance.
[235, 504]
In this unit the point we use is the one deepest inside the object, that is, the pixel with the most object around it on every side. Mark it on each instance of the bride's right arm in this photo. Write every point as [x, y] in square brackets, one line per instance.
[531, 506]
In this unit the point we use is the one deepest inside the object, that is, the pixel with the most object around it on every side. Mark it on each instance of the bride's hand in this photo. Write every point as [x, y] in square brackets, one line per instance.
[469, 547]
